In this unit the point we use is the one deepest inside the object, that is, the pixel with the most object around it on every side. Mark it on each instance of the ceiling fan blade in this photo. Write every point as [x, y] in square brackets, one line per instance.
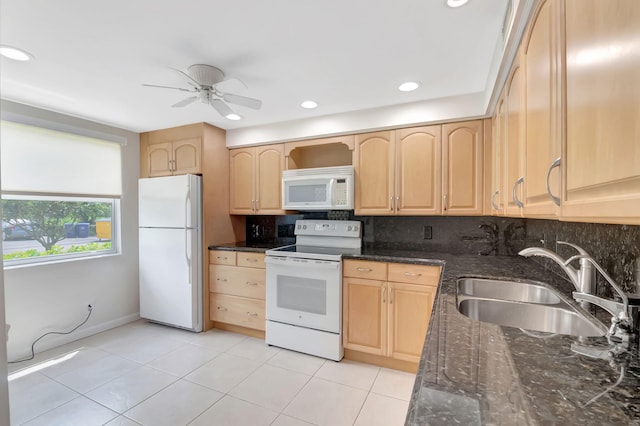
[187, 75]
[168, 87]
[222, 108]
[242, 100]
[185, 102]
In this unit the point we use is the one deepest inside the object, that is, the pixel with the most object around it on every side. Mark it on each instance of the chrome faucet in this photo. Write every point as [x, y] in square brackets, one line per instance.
[582, 280]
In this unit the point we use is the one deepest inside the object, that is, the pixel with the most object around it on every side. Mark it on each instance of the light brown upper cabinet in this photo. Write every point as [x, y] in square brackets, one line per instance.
[398, 172]
[514, 140]
[256, 179]
[542, 112]
[602, 149]
[166, 158]
[462, 168]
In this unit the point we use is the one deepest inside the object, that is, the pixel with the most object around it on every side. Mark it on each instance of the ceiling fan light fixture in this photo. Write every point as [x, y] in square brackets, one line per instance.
[15, 53]
[309, 104]
[233, 117]
[408, 86]
[456, 3]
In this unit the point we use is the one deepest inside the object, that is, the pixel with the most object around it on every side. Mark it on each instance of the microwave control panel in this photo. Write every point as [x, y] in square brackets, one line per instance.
[341, 193]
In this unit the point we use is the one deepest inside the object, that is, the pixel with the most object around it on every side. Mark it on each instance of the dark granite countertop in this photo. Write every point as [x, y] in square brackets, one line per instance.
[477, 373]
[248, 246]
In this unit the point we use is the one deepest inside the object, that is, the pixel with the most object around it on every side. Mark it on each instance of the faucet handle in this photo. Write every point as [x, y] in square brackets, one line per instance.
[578, 248]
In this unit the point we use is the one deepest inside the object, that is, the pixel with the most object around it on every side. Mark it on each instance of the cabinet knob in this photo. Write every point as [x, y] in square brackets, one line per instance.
[493, 200]
[514, 193]
[555, 199]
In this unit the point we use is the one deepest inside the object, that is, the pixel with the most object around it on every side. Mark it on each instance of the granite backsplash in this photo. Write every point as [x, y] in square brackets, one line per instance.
[615, 247]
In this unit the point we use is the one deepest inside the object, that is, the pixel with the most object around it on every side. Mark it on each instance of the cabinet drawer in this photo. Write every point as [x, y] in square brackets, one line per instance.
[415, 274]
[234, 280]
[222, 257]
[250, 260]
[365, 269]
[237, 311]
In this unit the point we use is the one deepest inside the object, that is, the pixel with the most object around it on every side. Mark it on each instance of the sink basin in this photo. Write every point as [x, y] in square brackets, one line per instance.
[507, 290]
[523, 305]
[559, 319]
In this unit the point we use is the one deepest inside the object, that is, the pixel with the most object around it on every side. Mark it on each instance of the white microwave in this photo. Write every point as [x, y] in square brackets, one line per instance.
[323, 188]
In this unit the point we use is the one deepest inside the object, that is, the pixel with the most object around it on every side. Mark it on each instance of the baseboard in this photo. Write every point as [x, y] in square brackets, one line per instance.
[54, 341]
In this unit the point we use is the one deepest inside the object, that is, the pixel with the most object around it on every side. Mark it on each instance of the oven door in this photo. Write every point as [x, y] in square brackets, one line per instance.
[304, 292]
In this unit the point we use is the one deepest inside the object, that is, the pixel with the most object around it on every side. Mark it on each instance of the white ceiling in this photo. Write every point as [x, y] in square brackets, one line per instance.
[92, 57]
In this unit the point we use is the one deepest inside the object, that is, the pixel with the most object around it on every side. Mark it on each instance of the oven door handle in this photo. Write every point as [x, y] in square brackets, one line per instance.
[301, 263]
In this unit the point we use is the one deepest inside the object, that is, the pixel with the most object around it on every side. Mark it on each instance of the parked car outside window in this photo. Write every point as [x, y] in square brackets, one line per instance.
[20, 231]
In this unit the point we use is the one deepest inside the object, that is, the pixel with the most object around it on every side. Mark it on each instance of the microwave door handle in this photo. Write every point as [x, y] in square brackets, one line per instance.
[332, 189]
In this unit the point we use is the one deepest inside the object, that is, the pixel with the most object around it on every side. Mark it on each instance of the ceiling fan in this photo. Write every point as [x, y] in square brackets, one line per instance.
[206, 81]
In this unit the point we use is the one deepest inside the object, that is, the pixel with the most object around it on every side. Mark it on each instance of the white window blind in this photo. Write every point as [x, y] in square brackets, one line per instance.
[37, 160]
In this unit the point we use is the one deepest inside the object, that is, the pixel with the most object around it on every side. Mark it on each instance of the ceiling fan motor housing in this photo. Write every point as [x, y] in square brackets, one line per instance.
[206, 75]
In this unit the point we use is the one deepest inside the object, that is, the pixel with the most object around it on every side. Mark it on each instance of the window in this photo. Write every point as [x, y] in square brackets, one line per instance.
[60, 194]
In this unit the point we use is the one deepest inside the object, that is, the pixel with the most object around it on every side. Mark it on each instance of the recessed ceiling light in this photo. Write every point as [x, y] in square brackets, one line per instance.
[309, 104]
[233, 117]
[15, 53]
[408, 86]
[456, 3]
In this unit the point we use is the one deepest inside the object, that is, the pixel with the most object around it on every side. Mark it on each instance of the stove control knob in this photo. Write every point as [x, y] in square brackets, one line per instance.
[349, 228]
[355, 228]
[304, 226]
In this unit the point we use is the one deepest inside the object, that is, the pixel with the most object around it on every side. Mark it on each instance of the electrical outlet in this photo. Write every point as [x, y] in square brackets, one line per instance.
[426, 232]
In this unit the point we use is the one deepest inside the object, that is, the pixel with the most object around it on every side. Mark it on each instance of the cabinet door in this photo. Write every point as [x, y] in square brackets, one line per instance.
[187, 154]
[418, 170]
[269, 166]
[602, 152]
[374, 169]
[409, 312]
[242, 181]
[497, 196]
[542, 142]
[365, 315]
[463, 152]
[159, 157]
[514, 140]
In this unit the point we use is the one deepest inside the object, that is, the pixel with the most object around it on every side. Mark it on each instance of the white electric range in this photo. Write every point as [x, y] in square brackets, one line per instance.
[304, 287]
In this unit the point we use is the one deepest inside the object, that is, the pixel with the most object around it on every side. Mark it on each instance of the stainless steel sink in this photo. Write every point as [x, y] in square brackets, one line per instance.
[526, 305]
[559, 319]
[507, 290]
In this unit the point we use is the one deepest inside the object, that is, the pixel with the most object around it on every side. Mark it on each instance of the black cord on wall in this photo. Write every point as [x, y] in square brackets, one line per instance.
[33, 354]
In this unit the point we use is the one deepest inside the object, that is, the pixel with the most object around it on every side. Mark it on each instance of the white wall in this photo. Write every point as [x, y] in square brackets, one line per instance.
[410, 114]
[54, 297]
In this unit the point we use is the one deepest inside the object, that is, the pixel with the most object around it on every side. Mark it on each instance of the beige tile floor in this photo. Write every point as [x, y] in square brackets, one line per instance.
[147, 374]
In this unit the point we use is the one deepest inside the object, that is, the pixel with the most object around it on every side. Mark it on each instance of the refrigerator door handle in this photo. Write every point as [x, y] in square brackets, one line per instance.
[186, 251]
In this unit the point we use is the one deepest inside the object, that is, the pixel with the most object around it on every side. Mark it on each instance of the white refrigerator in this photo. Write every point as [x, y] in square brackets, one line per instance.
[170, 231]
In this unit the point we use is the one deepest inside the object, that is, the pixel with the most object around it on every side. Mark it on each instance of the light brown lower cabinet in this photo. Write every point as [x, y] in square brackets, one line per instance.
[237, 289]
[386, 310]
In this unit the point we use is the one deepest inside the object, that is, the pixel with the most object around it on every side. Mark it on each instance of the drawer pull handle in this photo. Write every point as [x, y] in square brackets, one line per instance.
[412, 275]
[252, 259]
[364, 269]
[251, 283]
[249, 314]
[222, 258]
[224, 280]
[220, 308]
